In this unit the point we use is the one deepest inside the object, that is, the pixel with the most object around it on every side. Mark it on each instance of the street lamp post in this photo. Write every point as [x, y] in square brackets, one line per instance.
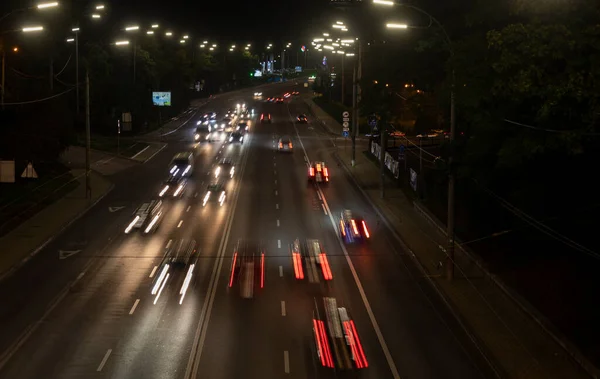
[451, 174]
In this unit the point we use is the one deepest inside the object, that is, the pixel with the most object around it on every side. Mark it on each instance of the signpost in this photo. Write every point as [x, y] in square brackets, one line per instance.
[345, 123]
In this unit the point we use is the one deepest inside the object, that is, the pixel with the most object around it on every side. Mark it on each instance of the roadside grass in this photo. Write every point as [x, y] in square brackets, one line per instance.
[126, 146]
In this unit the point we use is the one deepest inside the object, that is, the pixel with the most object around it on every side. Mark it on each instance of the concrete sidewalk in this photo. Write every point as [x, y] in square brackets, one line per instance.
[22, 243]
[509, 333]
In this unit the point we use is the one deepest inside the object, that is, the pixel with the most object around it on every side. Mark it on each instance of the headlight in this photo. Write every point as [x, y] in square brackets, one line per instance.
[230, 139]
[241, 139]
[197, 137]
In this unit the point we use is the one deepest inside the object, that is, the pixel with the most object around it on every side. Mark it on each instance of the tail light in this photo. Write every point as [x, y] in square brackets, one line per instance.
[262, 116]
[311, 172]
[280, 145]
[290, 144]
[326, 171]
[354, 228]
[364, 225]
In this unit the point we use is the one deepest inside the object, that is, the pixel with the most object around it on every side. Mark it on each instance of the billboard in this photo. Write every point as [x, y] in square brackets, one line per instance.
[161, 99]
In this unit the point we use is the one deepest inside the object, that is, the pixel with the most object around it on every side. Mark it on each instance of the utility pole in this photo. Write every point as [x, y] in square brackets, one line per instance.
[354, 115]
[3, 74]
[382, 131]
[88, 186]
[51, 76]
[356, 100]
[77, 73]
[134, 58]
[451, 183]
[343, 81]
[421, 167]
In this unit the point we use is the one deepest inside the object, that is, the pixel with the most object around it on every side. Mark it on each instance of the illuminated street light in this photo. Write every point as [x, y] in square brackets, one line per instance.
[15, 49]
[33, 29]
[98, 7]
[336, 44]
[347, 41]
[214, 45]
[70, 39]
[350, 54]
[186, 37]
[168, 34]
[230, 49]
[131, 28]
[47, 5]
[75, 29]
[150, 32]
[397, 26]
[344, 29]
[383, 2]
[211, 49]
[233, 46]
[246, 48]
[328, 47]
[204, 41]
[182, 41]
[96, 16]
[338, 26]
[122, 43]
[202, 46]
[326, 34]
[154, 26]
[249, 45]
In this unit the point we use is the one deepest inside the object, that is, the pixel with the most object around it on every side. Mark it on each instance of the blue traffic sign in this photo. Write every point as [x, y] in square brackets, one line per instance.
[402, 149]
[372, 123]
[345, 133]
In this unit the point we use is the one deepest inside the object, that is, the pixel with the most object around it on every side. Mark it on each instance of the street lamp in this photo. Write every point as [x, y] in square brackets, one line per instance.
[397, 26]
[95, 16]
[122, 43]
[154, 26]
[451, 176]
[168, 34]
[47, 5]
[150, 32]
[132, 28]
[29, 29]
[99, 7]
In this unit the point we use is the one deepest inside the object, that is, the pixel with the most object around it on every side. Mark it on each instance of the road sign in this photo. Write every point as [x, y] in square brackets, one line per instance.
[29, 172]
[345, 114]
[345, 133]
[346, 119]
[346, 124]
[402, 147]
[401, 156]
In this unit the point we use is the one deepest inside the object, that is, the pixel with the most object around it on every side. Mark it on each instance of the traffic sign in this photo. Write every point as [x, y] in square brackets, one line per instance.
[29, 172]
[345, 133]
[346, 119]
[346, 124]
[345, 114]
[402, 148]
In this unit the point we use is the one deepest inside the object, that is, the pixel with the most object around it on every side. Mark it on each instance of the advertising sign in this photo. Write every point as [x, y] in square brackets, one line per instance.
[7, 171]
[161, 99]
[298, 68]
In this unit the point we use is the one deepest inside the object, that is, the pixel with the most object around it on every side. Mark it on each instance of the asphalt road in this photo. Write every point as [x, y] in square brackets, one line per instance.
[93, 315]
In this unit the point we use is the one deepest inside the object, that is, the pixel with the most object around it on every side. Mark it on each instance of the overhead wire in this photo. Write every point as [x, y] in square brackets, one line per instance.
[65, 66]
[41, 100]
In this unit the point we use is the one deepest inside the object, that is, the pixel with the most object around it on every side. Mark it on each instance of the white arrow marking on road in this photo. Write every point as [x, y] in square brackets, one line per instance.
[64, 254]
[114, 209]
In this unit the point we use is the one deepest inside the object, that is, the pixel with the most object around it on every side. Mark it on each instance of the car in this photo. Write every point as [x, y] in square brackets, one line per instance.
[265, 118]
[295, 93]
[353, 229]
[216, 135]
[314, 255]
[146, 217]
[243, 126]
[285, 144]
[337, 342]
[287, 95]
[182, 164]
[244, 114]
[257, 95]
[215, 192]
[174, 186]
[236, 136]
[279, 100]
[247, 268]
[225, 167]
[318, 172]
[270, 99]
[181, 258]
[202, 133]
[302, 119]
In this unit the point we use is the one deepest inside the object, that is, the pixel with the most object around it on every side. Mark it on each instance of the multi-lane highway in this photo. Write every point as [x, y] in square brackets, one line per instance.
[93, 314]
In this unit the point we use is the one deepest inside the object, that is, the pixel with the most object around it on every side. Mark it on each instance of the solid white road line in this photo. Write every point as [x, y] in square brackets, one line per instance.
[318, 194]
[281, 271]
[202, 328]
[169, 244]
[324, 210]
[279, 244]
[286, 362]
[134, 306]
[180, 222]
[276, 206]
[384, 347]
[277, 222]
[361, 290]
[283, 308]
[104, 360]
[153, 271]
[139, 152]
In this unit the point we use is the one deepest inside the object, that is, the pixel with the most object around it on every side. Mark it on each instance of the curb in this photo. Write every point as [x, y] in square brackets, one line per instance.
[487, 356]
[20, 264]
